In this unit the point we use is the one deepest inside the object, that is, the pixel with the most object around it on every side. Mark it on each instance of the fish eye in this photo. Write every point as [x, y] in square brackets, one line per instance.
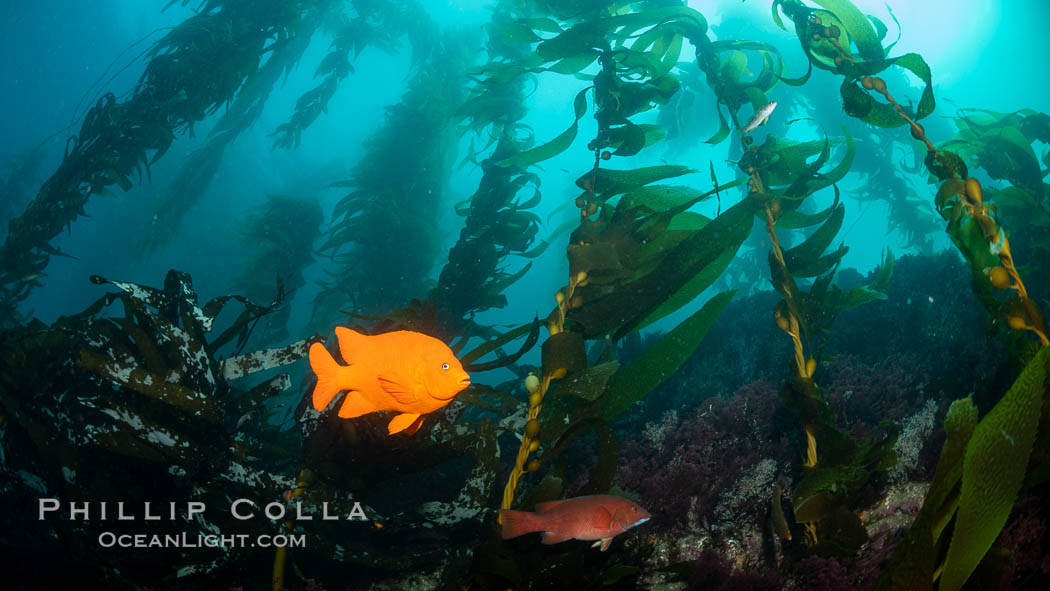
[444, 366]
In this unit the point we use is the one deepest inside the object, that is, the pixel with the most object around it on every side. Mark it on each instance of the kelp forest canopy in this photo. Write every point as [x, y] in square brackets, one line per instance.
[658, 190]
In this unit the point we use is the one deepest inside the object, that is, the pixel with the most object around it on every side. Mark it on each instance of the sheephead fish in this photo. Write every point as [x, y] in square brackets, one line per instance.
[760, 117]
[403, 371]
[594, 517]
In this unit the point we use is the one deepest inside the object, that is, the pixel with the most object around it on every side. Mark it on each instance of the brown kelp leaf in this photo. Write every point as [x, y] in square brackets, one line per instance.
[564, 353]
[589, 383]
[142, 381]
[630, 303]
[250, 363]
[810, 250]
[955, 165]
[532, 333]
[601, 260]
[639, 377]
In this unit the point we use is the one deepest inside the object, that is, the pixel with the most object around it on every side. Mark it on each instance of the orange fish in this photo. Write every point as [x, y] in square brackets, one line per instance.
[404, 371]
[594, 517]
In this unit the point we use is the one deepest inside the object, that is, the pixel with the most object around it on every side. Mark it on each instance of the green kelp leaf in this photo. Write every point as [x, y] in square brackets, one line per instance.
[880, 27]
[912, 565]
[639, 377]
[628, 138]
[555, 146]
[858, 296]
[1021, 166]
[782, 162]
[897, 40]
[813, 247]
[723, 128]
[993, 469]
[632, 140]
[821, 265]
[611, 182]
[969, 237]
[621, 310]
[860, 29]
[662, 198]
[515, 33]
[681, 18]
[735, 65]
[577, 39]
[491, 345]
[793, 220]
[502, 281]
[607, 458]
[822, 180]
[884, 274]
[547, 25]
[876, 290]
[862, 104]
[1036, 126]
[573, 64]
[811, 180]
[658, 197]
[691, 290]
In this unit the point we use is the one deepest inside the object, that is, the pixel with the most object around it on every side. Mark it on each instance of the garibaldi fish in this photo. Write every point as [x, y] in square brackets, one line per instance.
[404, 371]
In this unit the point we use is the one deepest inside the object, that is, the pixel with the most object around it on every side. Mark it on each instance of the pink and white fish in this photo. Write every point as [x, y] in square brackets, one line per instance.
[595, 517]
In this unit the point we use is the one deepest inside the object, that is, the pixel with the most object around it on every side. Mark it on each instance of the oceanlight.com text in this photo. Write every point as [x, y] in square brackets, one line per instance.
[112, 540]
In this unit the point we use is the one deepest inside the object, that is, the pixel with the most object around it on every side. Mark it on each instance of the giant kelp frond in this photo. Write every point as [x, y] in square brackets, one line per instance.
[282, 233]
[638, 254]
[377, 24]
[201, 165]
[383, 236]
[979, 474]
[196, 68]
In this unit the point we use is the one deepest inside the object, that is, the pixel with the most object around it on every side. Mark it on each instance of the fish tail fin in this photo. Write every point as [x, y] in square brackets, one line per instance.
[329, 376]
[518, 523]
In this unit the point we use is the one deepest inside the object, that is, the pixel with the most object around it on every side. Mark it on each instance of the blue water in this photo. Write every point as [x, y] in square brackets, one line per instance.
[54, 55]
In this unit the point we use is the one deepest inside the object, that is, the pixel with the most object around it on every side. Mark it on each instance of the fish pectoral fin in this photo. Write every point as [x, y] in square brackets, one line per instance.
[604, 543]
[404, 421]
[549, 537]
[602, 518]
[355, 405]
[399, 391]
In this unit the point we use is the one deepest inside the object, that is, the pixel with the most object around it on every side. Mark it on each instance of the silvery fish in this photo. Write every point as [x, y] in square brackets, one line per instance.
[760, 117]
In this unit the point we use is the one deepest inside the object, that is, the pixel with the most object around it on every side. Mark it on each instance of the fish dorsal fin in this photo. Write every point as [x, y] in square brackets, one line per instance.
[351, 343]
[603, 518]
[403, 421]
[549, 537]
[548, 505]
[399, 391]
